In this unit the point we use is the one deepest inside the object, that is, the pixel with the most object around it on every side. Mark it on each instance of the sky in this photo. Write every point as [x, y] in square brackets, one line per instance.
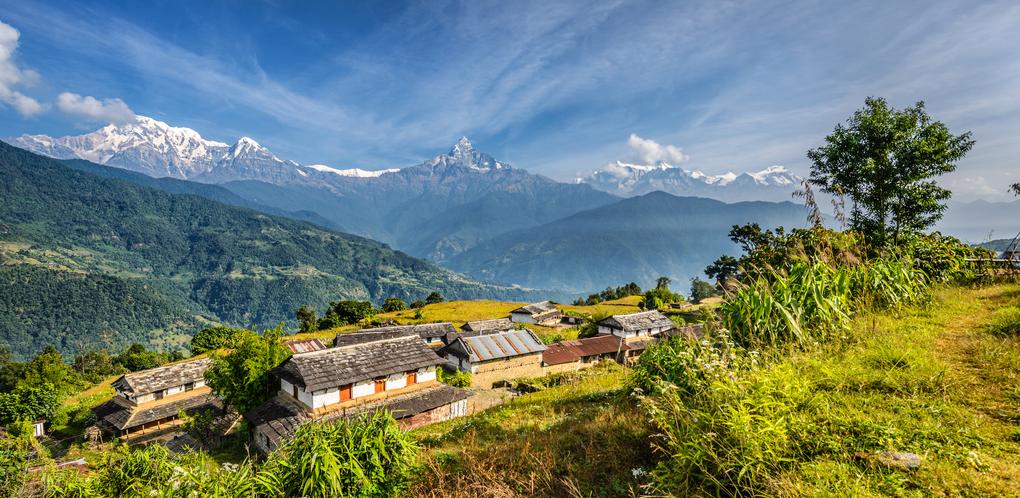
[558, 88]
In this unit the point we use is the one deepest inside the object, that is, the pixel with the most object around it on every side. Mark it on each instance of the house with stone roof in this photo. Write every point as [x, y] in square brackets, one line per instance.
[543, 313]
[432, 334]
[492, 358]
[148, 402]
[493, 325]
[391, 370]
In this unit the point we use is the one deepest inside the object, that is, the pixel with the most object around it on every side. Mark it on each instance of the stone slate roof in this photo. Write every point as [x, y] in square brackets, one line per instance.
[159, 378]
[638, 321]
[536, 308]
[424, 331]
[571, 351]
[506, 344]
[279, 417]
[497, 324]
[339, 366]
[114, 415]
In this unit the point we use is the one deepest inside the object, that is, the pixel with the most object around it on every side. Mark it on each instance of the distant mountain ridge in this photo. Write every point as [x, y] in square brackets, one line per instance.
[774, 183]
[635, 239]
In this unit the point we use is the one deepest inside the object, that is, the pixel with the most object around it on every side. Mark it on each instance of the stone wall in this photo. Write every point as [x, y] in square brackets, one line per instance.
[485, 374]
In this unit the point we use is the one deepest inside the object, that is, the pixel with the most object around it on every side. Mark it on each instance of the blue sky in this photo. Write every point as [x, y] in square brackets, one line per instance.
[554, 87]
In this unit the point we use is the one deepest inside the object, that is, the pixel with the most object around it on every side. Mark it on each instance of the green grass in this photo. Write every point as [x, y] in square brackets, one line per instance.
[581, 438]
[939, 380]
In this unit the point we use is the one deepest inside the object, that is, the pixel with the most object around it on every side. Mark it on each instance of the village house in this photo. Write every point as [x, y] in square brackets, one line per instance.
[433, 334]
[496, 357]
[635, 326]
[573, 355]
[390, 370]
[543, 313]
[494, 325]
[148, 402]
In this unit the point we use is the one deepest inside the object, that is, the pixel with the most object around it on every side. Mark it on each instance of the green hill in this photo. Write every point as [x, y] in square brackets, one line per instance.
[93, 260]
[636, 239]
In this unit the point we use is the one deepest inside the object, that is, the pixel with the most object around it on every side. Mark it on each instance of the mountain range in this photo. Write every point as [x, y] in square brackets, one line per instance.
[87, 254]
[624, 179]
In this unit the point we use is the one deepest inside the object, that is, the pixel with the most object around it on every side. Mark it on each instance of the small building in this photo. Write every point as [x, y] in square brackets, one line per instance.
[543, 313]
[389, 370]
[494, 325]
[573, 355]
[148, 402]
[497, 357]
[432, 334]
[636, 326]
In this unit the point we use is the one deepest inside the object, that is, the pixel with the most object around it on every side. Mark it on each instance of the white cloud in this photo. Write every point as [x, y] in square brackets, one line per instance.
[11, 75]
[89, 108]
[649, 151]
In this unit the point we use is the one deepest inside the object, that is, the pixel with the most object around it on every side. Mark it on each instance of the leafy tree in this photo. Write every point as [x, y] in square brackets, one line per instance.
[631, 289]
[307, 317]
[13, 465]
[29, 403]
[394, 304]
[418, 304]
[701, 289]
[662, 283]
[241, 376]
[136, 358]
[96, 365]
[1015, 188]
[885, 161]
[211, 338]
[48, 367]
[345, 313]
[434, 298]
[589, 327]
[723, 269]
[658, 298]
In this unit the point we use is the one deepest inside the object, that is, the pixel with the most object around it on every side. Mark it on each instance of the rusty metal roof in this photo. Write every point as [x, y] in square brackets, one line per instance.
[569, 351]
[305, 346]
[504, 344]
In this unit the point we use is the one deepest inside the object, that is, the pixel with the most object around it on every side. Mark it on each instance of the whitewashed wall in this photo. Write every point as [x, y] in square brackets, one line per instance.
[396, 381]
[362, 389]
[326, 398]
[426, 374]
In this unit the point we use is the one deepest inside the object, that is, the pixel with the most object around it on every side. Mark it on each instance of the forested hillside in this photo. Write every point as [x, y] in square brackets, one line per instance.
[636, 239]
[87, 257]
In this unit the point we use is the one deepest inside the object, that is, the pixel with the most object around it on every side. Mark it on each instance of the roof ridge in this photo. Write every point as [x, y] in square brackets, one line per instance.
[348, 346]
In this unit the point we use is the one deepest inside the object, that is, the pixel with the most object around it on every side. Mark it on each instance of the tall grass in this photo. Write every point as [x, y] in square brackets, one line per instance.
[813, 302]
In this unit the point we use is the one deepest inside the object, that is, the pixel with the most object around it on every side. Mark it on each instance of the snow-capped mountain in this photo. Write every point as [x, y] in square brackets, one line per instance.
[157, 149]
[353, 172]
[774, 183]
[463, 154]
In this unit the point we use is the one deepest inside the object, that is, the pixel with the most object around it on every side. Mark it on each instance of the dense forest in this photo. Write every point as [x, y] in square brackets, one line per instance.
[85, 255]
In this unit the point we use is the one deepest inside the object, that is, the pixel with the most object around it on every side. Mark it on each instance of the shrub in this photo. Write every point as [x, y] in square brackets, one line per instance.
[457, 378]
[211, 338]
[1006, 322]
[394, 304]
[365, 456]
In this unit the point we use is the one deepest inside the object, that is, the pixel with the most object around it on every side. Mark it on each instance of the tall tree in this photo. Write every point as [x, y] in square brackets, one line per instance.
[1015, 188]
[241, 376]
[885, 161]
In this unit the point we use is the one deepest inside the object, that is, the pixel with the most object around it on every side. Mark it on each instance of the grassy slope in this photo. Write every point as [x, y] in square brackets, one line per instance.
[934, 381]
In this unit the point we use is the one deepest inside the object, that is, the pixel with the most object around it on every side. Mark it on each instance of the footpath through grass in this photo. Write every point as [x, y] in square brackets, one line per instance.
[940, 381]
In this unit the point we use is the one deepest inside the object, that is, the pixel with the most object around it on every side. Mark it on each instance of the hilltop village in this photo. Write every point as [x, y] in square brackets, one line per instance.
[395, 368]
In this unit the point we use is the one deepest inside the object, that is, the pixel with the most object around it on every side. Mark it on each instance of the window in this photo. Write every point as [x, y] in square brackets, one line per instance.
[293, 388]
[158, 395]
[190, 386]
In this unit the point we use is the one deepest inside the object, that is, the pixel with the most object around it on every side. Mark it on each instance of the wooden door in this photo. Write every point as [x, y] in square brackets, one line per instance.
[380, 385]
[345, 393]
[412, 377]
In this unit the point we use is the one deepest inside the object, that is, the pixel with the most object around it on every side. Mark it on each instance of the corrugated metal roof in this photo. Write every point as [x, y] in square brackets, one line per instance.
[503, 345]
[305, 346]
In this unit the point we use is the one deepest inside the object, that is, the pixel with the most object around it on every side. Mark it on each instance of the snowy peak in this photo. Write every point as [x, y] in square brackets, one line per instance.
[772, 183]
[353, 172]
[464, 155]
